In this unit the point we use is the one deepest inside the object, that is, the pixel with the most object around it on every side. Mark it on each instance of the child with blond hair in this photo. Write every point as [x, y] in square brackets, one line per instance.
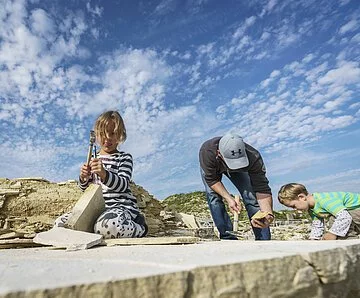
[342, 208]
[112, 169]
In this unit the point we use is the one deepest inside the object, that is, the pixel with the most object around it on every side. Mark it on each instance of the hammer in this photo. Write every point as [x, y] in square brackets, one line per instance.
[91, 144]
[235, 232]
[236, 217]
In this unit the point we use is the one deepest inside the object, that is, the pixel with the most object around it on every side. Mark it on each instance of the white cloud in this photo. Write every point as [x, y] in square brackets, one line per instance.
[344, 2]
[301, 114]
[165, 7]
[343, 181]
[356, 38]
[205, 49]
[240, 31]
[302, 158]
[42, 25]
[96, 10]
[349, 26]
[268, 7]
[275, 73]
[347, 73]
[308, 58]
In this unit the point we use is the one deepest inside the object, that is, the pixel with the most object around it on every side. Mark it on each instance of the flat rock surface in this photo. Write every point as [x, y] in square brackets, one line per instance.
[52, 269]
[66, 238]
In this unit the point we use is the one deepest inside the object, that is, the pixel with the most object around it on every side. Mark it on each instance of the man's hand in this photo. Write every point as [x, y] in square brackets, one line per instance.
[220, 189]
[265, 202]
[238, 203]
[329, 236]
[263, 222]
[97, 168]
[234, 205]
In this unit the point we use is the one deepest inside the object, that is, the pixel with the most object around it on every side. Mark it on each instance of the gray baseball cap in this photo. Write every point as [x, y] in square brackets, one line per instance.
[232, 149]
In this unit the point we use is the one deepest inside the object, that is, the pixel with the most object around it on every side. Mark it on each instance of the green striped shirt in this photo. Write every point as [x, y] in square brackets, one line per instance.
[327, 203]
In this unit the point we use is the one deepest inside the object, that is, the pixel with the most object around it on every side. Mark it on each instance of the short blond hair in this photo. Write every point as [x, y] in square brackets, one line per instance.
[291, 191]
[102, 122]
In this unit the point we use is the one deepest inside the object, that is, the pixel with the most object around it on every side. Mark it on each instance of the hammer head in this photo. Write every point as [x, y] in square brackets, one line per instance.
[92, 137]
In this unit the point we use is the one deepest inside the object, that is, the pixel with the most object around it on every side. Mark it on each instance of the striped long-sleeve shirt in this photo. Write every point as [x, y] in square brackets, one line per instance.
[116, 186]
[333, 202]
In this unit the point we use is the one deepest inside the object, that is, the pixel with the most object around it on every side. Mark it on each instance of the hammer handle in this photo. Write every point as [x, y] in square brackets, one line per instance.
[89, 154]
[236, 217]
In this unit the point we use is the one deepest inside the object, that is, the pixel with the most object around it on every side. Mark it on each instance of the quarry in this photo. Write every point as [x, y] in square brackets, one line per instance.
[180, 257]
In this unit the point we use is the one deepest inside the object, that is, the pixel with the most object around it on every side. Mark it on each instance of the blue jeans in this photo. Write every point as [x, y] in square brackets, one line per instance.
[222, 221]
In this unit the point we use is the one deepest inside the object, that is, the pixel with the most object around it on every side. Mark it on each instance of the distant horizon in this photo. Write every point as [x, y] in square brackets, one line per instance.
[174, 194]
[283, 75]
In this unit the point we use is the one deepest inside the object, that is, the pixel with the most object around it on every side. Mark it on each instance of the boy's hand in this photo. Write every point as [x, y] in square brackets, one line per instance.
[97, 168]
[85, 172]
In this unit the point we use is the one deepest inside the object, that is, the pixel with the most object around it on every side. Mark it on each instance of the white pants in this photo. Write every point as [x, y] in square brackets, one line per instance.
[112, 223]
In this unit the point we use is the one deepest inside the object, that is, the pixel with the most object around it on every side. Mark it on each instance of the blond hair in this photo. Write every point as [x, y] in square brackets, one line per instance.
[291, 191]
[103, 121]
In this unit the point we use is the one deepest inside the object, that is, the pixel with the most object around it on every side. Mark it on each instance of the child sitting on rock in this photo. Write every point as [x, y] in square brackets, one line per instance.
[112, 169]
[342, 209]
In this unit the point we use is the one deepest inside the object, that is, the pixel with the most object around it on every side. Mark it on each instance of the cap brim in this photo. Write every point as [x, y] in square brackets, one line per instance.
[237, 163]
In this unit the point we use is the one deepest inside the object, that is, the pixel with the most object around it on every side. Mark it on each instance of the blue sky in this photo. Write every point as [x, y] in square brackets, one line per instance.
[283, 74]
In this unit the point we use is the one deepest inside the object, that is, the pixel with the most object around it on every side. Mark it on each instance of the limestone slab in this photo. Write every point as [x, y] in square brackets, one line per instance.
[11, 235]
[188, 220]
[87, 209]
[258, 269]
[152, 241]
[17, 243]
[67, 238]
[9, 192]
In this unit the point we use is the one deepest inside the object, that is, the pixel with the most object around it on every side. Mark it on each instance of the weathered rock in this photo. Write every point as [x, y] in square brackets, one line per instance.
[39, 202]
[69, 239]
[151, 241]
[87, 209]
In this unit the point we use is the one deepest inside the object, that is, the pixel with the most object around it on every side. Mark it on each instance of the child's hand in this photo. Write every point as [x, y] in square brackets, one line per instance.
[85, 172]
[329, 236]
[97, 168]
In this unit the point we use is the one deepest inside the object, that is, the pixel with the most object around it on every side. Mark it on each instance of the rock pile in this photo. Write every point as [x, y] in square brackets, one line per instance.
[31, 205]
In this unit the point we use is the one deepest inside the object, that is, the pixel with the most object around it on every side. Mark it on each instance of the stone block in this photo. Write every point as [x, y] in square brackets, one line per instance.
[151, 241]
[87, 209]
[188, 220]
[69, 239]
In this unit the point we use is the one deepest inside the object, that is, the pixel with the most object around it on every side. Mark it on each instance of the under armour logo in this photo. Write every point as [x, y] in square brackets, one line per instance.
[233, 152]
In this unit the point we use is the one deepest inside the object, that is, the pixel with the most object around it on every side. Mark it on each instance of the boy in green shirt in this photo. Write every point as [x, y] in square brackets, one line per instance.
[343, 206]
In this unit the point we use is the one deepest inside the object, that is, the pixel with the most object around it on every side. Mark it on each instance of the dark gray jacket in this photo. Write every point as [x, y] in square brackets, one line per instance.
[214, 167]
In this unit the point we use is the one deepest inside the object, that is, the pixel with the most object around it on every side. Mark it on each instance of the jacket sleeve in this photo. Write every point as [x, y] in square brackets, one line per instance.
[208, 165]
[119, 182]
[257, 173]
[84, 185]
